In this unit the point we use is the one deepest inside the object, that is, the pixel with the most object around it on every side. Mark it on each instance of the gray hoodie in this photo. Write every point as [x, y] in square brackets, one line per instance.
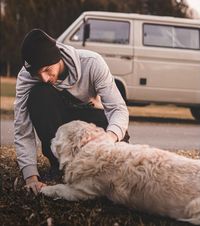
[89, 80]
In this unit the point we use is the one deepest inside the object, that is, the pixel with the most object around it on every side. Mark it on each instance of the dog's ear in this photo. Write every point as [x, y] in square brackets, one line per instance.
[65, 154]
[87, 136]
[62, 162]
[90, 133]
[84, 137]
[54, 147]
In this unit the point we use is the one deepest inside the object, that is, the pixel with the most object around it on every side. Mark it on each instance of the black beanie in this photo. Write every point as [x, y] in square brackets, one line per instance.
[39, 50]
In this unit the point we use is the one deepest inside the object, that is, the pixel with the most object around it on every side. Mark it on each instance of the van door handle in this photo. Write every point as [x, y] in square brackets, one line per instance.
[126, 57]
[119, 56]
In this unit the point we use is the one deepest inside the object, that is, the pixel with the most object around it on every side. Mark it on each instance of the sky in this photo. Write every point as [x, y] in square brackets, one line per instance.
[195, 4]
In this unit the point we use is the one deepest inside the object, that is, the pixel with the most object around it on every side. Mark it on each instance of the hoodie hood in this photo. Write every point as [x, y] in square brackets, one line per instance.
[71, 59]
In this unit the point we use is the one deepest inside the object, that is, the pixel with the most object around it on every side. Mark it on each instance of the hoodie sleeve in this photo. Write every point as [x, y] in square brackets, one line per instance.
[114, 105]
[24, 136]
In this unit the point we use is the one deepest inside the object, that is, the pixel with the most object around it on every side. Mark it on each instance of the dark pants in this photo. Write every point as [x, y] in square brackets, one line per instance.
[49, 109]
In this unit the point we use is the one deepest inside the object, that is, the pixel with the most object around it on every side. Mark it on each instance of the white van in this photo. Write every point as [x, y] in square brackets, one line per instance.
[154, 59]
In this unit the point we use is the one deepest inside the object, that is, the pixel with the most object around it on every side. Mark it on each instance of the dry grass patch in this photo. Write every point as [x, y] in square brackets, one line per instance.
[7, 103]
[10, 80]
[163, 111]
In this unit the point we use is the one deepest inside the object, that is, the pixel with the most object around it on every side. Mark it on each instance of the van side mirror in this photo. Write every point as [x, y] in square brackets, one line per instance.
[86, 32]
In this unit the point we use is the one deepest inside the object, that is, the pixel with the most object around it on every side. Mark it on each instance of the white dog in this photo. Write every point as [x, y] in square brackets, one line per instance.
[138, 176]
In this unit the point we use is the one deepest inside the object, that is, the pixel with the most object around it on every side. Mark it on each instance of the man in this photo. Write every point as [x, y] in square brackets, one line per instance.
[59, 84]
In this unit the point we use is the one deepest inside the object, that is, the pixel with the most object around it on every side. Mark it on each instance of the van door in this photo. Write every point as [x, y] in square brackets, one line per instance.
[167, 64]
[108, 37]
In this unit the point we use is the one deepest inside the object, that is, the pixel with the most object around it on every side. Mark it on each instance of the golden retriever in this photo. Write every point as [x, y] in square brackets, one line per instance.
[138, 176]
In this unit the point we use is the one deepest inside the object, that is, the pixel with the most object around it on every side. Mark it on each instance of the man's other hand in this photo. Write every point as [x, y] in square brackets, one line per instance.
[112, 136]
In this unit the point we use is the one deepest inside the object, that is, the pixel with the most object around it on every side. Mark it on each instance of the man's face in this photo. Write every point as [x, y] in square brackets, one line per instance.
[50, 73]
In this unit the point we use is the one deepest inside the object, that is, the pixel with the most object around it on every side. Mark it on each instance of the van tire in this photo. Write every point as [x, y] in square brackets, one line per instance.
[121, 89]
[195, 111]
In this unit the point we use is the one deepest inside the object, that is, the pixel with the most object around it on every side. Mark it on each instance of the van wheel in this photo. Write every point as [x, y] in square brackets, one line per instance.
[121, 89]
[195, 111]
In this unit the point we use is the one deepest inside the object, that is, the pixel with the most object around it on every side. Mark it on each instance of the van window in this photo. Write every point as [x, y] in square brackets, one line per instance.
[170, 36]
[106, 31]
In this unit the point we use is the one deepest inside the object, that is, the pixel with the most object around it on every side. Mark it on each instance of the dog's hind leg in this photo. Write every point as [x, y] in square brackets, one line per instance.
[192, 210]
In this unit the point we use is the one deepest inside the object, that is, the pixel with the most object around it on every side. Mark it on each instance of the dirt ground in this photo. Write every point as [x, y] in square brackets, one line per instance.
[18, 207]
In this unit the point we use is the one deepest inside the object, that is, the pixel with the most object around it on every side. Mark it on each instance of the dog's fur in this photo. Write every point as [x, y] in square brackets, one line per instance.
[138, 176]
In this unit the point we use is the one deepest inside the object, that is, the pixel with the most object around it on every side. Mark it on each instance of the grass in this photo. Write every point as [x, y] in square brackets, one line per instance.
[7, 87]
[7, 97]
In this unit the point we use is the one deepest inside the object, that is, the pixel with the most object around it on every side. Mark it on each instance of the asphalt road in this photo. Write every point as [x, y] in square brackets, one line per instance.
[163, 134]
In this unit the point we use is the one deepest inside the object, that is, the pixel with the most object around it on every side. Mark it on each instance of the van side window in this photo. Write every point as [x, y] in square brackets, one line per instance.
[106, 31]
[171, 36]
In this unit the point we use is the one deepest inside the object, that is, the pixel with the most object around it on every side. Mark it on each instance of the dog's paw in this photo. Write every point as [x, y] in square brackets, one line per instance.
[47, 191]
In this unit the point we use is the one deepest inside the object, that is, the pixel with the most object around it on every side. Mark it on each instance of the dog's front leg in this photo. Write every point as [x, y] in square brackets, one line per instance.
[67, 192]
[54, 191]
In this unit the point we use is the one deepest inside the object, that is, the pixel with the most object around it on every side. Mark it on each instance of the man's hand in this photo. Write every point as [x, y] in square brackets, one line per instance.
[34, 185]
[112, 135]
